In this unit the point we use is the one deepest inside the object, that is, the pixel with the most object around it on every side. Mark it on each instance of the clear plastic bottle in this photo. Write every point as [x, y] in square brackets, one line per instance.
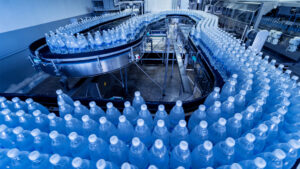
[161, 114]
[41, 141]
[64, 109]
[217, 131]
[112, 113]
[138, 154]
[234, 126]
[24, 120]
[89, 126]
[72, 124]
[38, 160]
[18, 104]
[41, 120]
[56, 123]
[224, 152]
[228, 90]
[180, 133]
[117, 151]
[137, 101]
[125, 129]
[127, 165]
[23, 139]
[257, 163]
[213, 113]
[143, 132]
[176, 114]
[57, 161]
[197, 116]
[240, 101]
[102, 164]
[106, 129]
[146, 116]
[202, 155]
[32, 106]
[159, 155]
[130, 113]
[77, 145]
[95, 111]
[245, 147]
[79, 163]
[58, 143]
[97, 148]
[17, 159]
[199, 134]
[260, 133]
[274, 159]
[62, 97]
[212, 97]
[5, 104]
[161, 132]
[181, 156]
[9, 118]
[79, 110]
[248, 118]
[227, 108]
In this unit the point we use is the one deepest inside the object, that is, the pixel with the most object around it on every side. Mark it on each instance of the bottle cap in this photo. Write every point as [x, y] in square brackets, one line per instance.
[77, 103]
[2, 99]
[222, 121]
[5, 111]
[238, 116]
[260, 102]
[20, 113]
[54, 159]
[85, 118]
[160, 123]
[122, 119]
[137, 93]
[72, 136]
[140, 122]
[59, 92]
[135, 141]
[101, 164]
[202, 107]
[235, 76]
[232, 82]
[77, 162]
[51, 116]
[295, 78]
[294, 143]
[282, 111]
[143, 107]
[250, 109]
[18, 130]
[109, 105]
[3, 127]
[288, 72]
[92, 138]
[217, 89]
[203, 124]
[113, 140]
[217, 104]
[182, 123]
[68, 117]
[102, 120]
[36, 113]
[127, 104]
[250, 137]
[161, 107]
[183, 145]
[92, 104]
[179, 103]
[126, 165]
[53, 134]
[158, 143]
[13, 153]
[230, 142]
[275, 119]
[230, 99]
[152, 167]
[279, 154]
[180, 167]
[235, 166]
[34, 155]
[260, 162]
[263, 127]
[60, 103]
[208, 145]
[15, 99]
[35, 132]
[29, 101]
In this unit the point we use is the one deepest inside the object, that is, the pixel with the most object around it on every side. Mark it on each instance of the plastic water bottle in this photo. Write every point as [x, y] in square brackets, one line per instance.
[79, 110]
[56, 123]
[228, 90]
[227, 108]
[64, 109]
[159, 155]
[199, 134]
[79, 163]
[9, 118]
[5, 104]
[112, 114]
[202, 155]
[245, 147]
[180, 133]
[106, 129]
[224, 152]
[128, 166]
[125, 129]
[62, 97]
[197, 116]
[248, 118]
[38, 160]
[161, 114]
[72, 124]
[89, 126]
[260, 137]
[234, 126]
[258, 106]
[58, 161]
[6, 137]
[176, 114]
[137, 101]
[17, 159]
[138, 153]
[213, 113]
[130, 113]
[143, 132]
[41, 141]
[161, 132]
[32, 106]
[18, 104]
[102, 164]
[77, 145]
[97, 148]
[257, 163]
[274, 159]
[231, 166]
[23, 139]
[212, 97]
[95, 111]
[59, 143]
[24, 120]
[181, 156]
[240, 101]
[117, 151]
[272, 128]
[146, 116]
[217, 131]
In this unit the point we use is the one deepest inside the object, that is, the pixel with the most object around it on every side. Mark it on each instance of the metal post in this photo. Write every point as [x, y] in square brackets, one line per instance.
[166, 68]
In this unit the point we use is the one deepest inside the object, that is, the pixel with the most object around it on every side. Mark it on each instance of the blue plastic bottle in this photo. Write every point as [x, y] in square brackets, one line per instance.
[138, 154]
[17, 159]
[59, 143]
[180, 133]
[18, 104]
[79, 163]
[89, 126]
[137, 101]
[106, 129]
[248, 118]
[62, 97]
[79, 110]
[213, 113]
[72, 124]
[234, 126]
[197, 116]
[126, 165]
[224, 152]
[159, 155]
[102, 164]
[112, 113]
[202, 155]
[97, 148]
[152, 167]
[181, 156]
[212, 97]
[146, 116]
[240, 101]
[272, 128]
[5, 104]
[125, 129]
[60, 162]
[161, 114]
[38, 160]
[41, 120]
[231, 166]
[245, 147]
[176, 114]
[95, 111]
[258, 106]
[199, 134]
[4, 159]
[228, 90]
[77, 145]
[23, 139]
[32, 106]
[65, 109]
[56, 123]
[257, 163]
[260, 137]
[143, 132]
[24, 120]
[41, 141]
[227, 108]
[117, 151]
[161, 132]
[130, 113]
[217, 131]
[274, 159]
[9, 118]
